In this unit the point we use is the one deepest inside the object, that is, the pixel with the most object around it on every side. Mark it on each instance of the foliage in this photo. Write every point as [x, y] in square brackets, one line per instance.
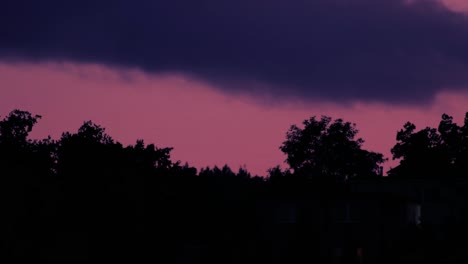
[329, 150]
[431, 152]
[14, 128]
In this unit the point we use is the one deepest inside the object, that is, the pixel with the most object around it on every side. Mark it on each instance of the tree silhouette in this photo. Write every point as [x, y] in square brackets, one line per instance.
[329, 151]
[87, 197]
[14, 128]
[438, 155]
[431, 152]
[26, 186]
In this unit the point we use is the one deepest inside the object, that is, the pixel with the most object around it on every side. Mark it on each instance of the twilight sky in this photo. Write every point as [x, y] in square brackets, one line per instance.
[221, 81]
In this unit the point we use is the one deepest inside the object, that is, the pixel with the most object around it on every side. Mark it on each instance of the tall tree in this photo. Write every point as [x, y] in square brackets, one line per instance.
[431, 152]
[20, 155]
[14, 128]
[26, 186]
[329, 150]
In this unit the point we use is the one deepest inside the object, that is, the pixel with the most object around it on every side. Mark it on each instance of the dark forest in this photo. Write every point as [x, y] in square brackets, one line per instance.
[86, 197]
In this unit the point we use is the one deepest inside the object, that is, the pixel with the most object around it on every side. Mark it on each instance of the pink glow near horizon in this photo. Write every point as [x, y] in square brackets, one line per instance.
[205, 126]
[457, 5]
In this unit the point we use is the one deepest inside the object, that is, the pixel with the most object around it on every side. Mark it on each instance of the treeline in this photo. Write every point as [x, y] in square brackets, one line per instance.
[87, 197]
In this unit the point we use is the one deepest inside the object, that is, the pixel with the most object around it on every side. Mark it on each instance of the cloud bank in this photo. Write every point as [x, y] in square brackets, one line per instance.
[391, 51]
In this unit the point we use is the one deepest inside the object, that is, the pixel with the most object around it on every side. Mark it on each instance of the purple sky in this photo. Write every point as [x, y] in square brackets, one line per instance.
[226, 89]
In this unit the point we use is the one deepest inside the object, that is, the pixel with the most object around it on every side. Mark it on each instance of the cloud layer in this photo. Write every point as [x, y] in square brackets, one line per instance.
[393, 51]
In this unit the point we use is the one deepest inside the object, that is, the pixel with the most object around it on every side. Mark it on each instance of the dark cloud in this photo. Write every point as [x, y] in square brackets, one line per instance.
[398, 51]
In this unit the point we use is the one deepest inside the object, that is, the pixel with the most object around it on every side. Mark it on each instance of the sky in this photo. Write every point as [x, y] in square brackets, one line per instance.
[222, 81]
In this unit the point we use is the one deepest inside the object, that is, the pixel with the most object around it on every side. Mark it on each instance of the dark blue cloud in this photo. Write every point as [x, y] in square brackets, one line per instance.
[395, 51]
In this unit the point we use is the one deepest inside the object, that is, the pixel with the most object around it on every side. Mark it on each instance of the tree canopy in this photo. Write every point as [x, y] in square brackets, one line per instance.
[431, 152]
[328, 149]
[14, 128]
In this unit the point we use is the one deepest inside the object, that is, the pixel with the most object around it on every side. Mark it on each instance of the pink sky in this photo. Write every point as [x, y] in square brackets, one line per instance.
[457, 5]
[204, 126]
